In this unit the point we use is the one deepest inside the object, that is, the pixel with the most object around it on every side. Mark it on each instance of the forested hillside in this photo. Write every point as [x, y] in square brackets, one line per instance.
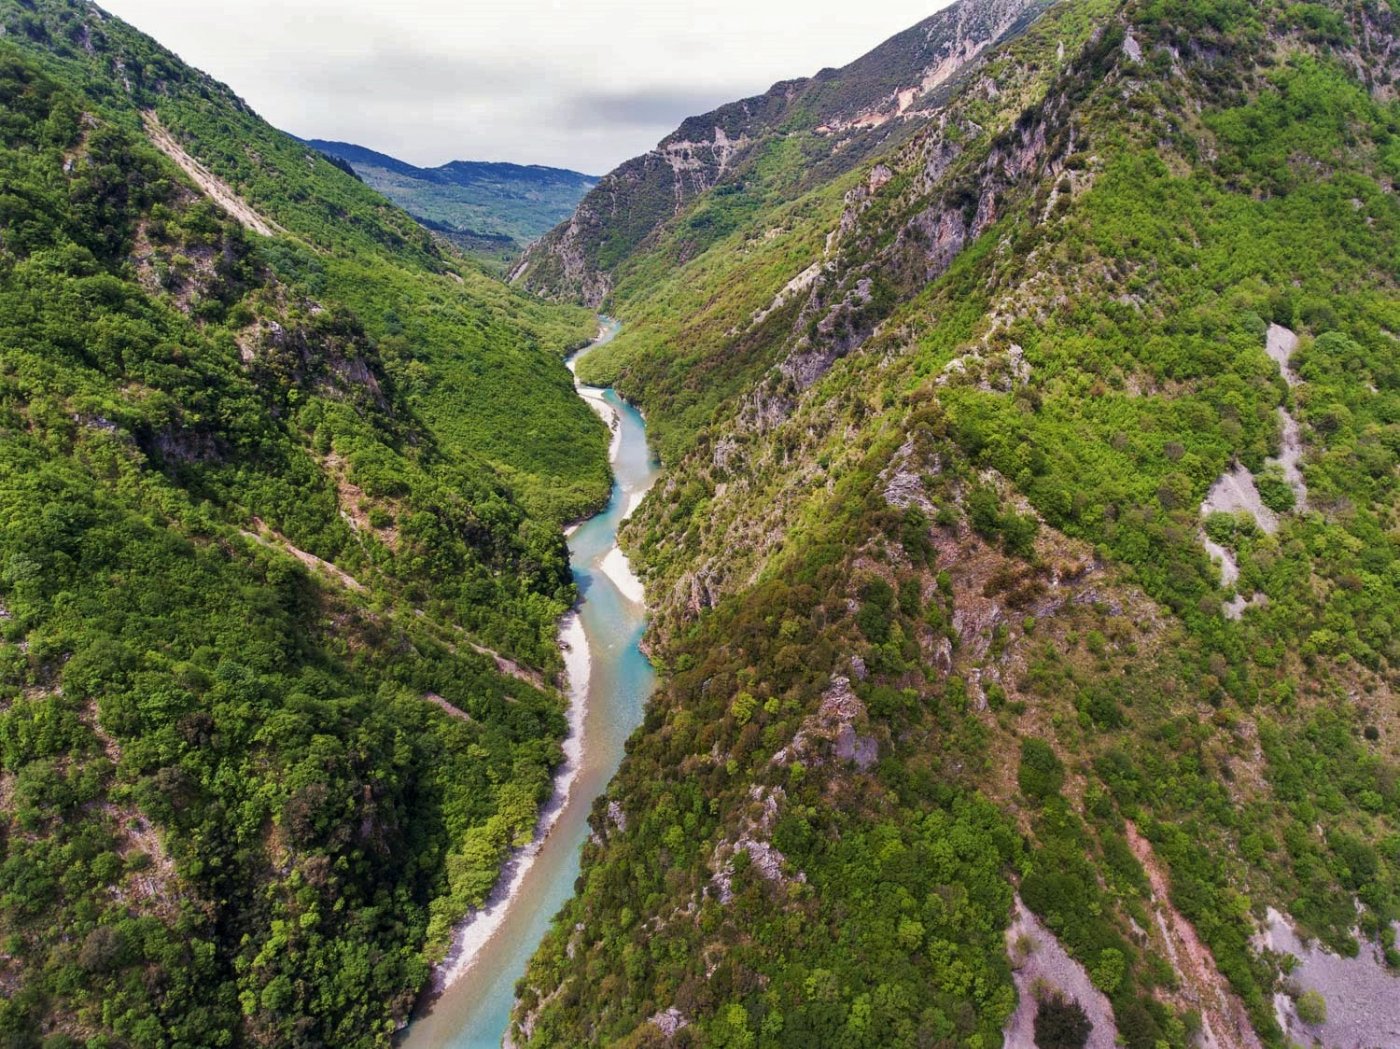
[1026, 570]
[281, 487]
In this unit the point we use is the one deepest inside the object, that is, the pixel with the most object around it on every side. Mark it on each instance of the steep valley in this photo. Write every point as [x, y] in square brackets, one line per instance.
[1022, 576]
[282, 484]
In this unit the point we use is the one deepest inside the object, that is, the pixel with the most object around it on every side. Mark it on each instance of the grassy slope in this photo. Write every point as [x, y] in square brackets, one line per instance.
[1092, 678]
[210, 754]
[455, 319]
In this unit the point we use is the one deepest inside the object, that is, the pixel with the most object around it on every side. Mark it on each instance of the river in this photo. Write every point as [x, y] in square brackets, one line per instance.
[609, 681]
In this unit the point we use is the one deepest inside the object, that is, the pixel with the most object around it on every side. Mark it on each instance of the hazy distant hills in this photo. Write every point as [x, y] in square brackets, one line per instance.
[495, 208]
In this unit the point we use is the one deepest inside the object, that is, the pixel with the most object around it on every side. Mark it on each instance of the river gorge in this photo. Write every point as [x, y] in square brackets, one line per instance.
[609, 682]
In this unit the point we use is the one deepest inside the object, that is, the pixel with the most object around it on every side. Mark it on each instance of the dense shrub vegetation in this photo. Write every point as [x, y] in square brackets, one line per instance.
[261, 500]
[937, 618]
[963, 466]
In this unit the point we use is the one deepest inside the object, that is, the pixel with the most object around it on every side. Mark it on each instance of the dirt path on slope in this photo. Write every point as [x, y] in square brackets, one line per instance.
[509, 667]
[214, 187]
[275, 540]
[448, 708]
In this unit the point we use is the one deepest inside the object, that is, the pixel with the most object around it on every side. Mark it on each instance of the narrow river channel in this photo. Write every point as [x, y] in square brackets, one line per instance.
[610, 681]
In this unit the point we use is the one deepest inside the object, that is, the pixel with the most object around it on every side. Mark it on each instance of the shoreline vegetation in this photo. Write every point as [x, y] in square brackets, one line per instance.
[477, 928]
[507, 927]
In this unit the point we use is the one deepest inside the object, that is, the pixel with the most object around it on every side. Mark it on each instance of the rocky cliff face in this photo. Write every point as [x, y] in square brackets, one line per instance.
[842, 115]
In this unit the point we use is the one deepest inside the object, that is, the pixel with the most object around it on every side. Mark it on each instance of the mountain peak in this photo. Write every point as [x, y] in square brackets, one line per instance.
[842, 116]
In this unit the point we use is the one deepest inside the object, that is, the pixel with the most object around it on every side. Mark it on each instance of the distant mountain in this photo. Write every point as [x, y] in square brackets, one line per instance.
[495, 208]
[773, 147]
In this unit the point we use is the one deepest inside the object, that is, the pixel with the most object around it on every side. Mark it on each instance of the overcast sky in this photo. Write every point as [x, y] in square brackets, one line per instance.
[583, 84]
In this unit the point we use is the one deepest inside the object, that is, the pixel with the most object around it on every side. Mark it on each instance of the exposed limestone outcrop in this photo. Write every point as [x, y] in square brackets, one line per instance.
[903, 485]
[835, 723]
[1362, 993]
[1236, 492]
[1039, 964]
[840, 314]
[847, 113]
[669, 1021]
[1281, 345]
[768, 861]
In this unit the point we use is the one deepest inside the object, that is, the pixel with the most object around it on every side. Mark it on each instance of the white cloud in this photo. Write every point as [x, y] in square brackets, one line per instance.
[583, 84]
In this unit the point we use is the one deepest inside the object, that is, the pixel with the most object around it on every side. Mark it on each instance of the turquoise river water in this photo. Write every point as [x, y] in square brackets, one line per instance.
[610, 681]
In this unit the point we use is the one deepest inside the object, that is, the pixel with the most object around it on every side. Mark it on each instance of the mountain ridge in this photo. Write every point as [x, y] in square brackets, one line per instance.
[282, 487]
[493, 210]
[846, 114]
[350, 151]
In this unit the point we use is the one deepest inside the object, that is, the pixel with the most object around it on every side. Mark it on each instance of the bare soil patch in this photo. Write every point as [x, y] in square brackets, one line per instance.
[1040, 964]
[1225, 1024]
